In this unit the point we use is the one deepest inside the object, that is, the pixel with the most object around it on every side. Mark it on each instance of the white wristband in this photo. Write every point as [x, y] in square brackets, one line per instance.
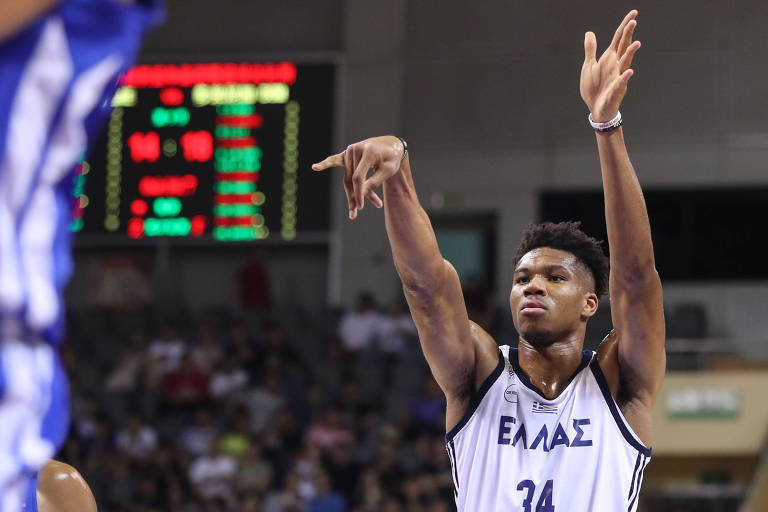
[606, 126]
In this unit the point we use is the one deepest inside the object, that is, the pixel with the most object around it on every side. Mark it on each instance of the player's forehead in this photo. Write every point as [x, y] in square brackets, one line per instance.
[543, 258]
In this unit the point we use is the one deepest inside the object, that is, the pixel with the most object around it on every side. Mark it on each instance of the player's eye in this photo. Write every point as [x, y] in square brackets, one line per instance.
[521, 280]
[557, 278]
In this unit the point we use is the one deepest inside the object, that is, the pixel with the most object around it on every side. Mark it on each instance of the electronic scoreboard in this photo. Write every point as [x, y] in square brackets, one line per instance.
[211, 151]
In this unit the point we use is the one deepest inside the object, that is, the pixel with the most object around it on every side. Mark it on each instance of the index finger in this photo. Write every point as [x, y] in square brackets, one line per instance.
[336, 160]
[620, 31]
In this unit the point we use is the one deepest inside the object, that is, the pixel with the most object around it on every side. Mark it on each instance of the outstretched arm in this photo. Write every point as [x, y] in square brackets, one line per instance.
[635, 289]
[430, 283]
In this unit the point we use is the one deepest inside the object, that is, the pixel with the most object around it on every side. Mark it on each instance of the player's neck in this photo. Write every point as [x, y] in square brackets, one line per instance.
[550, 367]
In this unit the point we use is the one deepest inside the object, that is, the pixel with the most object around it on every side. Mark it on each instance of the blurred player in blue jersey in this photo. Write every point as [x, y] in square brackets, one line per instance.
[59, 64]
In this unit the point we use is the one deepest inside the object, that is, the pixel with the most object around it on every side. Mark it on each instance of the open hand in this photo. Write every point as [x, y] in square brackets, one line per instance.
[382, 154]
[604, 81]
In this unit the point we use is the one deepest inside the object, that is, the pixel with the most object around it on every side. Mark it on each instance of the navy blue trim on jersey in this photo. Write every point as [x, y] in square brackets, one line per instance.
[634, 475]
[586, 356]
[476, 398]
[603, 383]
[455, 464]
[639, 480]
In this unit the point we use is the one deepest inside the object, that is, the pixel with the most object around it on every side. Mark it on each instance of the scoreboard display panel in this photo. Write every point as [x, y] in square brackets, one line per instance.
[211, 151]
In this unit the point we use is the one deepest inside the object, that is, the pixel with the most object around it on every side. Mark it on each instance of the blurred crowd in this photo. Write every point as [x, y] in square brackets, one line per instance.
[328, 411]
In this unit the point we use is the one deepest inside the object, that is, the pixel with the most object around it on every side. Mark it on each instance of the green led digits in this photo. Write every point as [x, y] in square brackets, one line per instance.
[178, 226]
[170, 116]
[166, 206]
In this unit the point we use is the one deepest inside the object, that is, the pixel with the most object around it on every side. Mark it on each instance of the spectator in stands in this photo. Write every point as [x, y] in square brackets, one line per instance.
[213, 475]
[359, 327]
[228, 379]
[332, 365]
[196, 439]
[124, 377]
[237, 441]
[168, 348]
[370, 494]
[330, 431]
[187, 385]
[123, 483]
[244, 347]
[396, 331]
[326, 499]
[254, 473]
[386, 463]
[343, 469]
[149, 498]
[263, 401]
[137, 440]
[287, 499]
[287, 439]
[284, 434]
[428, 407]
[277, 348]
[207, 352]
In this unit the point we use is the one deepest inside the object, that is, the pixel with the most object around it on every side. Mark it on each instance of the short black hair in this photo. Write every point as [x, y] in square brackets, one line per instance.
[568, 236]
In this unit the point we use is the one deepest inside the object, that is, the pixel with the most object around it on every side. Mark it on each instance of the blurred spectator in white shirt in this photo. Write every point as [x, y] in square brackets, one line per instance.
[136, 440]
[167, 349]
[358, 329]
[206, 353]
[213, 475]
[265, 400]
[396, 330]
[228, 380]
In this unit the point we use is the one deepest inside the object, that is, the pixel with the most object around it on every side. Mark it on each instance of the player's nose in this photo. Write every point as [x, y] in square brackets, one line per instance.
[535, 287]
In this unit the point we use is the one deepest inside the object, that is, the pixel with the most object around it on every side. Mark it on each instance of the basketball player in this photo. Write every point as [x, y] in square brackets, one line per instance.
[547, 426]
[59, 63]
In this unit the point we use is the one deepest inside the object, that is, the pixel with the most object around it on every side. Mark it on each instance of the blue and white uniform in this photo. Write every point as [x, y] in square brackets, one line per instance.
[515, 450]
[56, 79]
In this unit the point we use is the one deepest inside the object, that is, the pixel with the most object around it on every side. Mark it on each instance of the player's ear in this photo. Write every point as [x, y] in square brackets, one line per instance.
[591, 302]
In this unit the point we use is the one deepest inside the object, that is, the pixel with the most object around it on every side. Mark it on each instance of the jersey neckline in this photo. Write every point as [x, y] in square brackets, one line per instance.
[586, 357]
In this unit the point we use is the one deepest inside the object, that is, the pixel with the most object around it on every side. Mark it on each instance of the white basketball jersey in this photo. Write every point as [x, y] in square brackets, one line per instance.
[515, 450]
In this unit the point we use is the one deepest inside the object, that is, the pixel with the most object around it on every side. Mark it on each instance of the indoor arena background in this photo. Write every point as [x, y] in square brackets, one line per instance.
[282, 374]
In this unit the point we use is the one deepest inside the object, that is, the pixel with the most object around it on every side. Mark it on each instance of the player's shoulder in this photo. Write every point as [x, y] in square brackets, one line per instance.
[488, 355]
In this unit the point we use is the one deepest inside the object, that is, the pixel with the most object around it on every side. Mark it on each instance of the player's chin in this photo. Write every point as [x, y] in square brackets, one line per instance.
[537, 336]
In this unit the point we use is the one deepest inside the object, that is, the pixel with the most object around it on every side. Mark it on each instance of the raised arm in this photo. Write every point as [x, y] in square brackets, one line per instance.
[635, 289]
[430, 283]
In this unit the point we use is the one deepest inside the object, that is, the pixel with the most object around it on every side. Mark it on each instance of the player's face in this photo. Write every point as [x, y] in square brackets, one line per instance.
[551, 296]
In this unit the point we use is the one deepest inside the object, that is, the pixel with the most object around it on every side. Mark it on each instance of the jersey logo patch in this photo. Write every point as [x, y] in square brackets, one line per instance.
[510, 395]
[543, 408]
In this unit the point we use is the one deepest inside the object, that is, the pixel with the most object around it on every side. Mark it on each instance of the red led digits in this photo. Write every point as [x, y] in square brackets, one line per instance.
[246, 121]
[172, 96]
[240, 142]
[198, 146]
[136, 228]
[252, 177]
[235, 199]
[144, 146]
[197, 225]
[187, 75]
[161, 186]
[139, 207]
